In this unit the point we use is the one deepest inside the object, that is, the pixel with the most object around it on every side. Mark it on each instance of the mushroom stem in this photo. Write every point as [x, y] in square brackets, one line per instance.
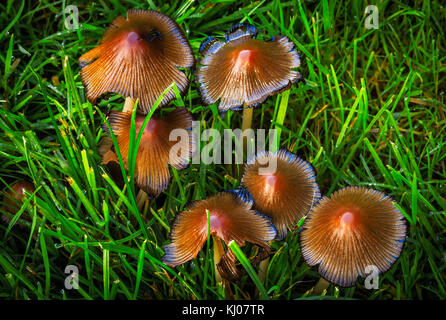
[263, 268]
[246, 124]
[141, 198]
[320, 286]
[128, 104]
[218, 253]
[247, 117]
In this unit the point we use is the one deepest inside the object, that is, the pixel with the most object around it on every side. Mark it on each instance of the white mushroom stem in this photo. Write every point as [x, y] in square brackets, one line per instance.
[128, 104]
[246, 124]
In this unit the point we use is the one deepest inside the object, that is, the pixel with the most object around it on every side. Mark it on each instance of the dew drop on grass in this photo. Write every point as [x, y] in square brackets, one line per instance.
[57, 245]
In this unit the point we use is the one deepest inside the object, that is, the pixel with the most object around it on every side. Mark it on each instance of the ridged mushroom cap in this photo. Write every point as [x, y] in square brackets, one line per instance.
[156, 150]
[243, 70]
[286, 193]
[139, 58]
[230, 218]
[354, 228]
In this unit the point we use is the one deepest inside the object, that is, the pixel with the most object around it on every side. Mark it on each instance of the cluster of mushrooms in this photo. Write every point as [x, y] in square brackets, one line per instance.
[139, 58]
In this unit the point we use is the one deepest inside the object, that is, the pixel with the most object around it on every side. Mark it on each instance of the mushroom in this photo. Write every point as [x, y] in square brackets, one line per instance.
[244, 71]
[286, 193]
[231, 218]
[353, 229]
[138, 58]
[14, 198]
[154, 151]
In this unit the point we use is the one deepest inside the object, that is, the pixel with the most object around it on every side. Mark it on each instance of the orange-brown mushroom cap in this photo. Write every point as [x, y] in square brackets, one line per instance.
[285, 194]
[158, 147]
[230, 217]
[14, 198]
[139, 58]
[354, 228]
[244, 70]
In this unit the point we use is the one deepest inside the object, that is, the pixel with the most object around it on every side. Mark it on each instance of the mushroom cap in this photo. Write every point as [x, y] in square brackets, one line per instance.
[155, 151]
[139, 58]
[13, 198]
[354, 228]
[230, 217]
[243, 70]
[286, 193]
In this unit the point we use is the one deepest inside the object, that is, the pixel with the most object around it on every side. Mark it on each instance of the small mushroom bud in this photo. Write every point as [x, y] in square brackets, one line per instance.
[13, 199]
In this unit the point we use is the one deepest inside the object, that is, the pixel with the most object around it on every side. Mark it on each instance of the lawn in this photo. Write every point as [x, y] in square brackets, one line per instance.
[370, 112]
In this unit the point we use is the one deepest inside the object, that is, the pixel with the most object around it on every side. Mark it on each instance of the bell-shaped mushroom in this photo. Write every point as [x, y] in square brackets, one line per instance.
[243, 70]
[353, 232]
[230, 218]
[138, 58]
[157, 149]
[282, 186]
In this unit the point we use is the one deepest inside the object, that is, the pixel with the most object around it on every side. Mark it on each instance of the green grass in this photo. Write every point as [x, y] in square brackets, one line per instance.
[371, 113]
